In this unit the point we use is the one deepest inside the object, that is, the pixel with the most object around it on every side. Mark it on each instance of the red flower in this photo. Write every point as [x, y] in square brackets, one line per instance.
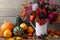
[44, 11]
[38, 11]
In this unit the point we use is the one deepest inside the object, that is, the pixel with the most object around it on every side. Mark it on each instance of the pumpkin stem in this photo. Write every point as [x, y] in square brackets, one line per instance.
[5, 20]
[16, 15]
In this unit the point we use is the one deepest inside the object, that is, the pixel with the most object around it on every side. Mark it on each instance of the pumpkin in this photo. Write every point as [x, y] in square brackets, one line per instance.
[7, 33]
[7, 25]
[18, 31]
[30, 29]
[24, 26]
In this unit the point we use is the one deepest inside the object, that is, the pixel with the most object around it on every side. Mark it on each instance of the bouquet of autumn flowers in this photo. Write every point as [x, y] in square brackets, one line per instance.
[39, 11]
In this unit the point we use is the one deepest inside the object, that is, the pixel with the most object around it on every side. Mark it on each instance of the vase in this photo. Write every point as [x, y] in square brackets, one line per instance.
[40, 29]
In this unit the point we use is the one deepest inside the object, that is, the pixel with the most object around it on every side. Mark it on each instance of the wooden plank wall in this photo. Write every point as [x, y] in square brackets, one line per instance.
[9, 9]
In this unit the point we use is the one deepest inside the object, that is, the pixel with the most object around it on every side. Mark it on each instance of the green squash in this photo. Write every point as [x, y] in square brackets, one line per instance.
[18, 31]
[18, 20]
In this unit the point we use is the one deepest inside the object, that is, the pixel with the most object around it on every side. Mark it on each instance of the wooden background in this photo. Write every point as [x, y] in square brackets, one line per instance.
[9, 9]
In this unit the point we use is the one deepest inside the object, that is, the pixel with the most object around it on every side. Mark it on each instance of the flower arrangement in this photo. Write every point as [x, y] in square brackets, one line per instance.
[39, 11]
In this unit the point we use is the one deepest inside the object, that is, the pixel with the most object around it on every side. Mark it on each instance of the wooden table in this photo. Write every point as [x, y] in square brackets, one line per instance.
[33, 39]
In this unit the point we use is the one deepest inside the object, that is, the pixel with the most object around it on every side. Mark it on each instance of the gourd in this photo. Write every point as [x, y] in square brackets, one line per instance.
[7, 33]
[30, 29]
[7, 25]
[18, 31]
[18, 20]
[24, 26]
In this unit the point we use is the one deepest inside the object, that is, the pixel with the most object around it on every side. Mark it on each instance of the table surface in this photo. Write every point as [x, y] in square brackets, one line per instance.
[34, 39]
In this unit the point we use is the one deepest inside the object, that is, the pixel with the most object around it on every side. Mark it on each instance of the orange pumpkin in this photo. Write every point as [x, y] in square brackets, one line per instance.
[7, 25]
